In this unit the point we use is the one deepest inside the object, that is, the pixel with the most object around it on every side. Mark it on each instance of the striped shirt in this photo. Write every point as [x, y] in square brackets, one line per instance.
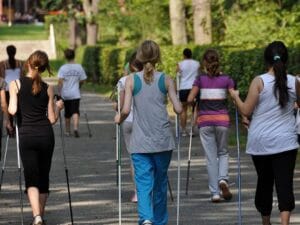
[213, 109]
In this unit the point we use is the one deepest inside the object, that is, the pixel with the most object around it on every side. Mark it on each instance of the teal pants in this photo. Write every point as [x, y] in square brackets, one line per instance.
[151, 177]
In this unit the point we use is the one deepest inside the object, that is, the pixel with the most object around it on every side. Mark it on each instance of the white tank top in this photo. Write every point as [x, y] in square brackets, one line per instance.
[273, 129]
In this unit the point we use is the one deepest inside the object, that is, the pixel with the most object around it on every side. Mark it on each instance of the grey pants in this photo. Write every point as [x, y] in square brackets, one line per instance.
[214, 140]
[127, 130]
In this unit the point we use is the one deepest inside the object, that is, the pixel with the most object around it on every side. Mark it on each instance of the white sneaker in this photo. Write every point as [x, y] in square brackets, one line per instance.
[216, 198]
[147, 222]
[37, 220]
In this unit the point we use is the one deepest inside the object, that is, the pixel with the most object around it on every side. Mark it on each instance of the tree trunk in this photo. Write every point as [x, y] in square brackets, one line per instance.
[92, 31]
[91, 10]
[1, 10]
[122, 5]
[72, 33]
[202, 22]
[177, 19]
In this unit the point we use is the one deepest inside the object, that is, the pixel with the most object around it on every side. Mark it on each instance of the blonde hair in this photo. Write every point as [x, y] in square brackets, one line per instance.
[149, 55]
[38, 62]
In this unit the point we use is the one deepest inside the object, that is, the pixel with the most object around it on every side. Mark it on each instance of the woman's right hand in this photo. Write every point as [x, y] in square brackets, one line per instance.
[234, 93]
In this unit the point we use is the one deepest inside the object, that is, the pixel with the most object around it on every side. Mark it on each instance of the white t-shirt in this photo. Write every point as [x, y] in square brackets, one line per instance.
[189, 70]
[71, 74]
[122, 82]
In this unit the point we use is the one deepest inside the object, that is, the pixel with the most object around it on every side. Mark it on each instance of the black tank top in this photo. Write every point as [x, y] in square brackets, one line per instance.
[32, 110]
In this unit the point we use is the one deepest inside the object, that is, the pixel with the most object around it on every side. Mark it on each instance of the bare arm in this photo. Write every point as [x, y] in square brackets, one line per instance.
[53, 111]
[172, 95]
[247, 107]
[13, 98]
[119, 118]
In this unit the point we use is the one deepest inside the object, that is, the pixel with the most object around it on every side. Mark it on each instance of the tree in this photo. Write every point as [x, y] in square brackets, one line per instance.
[177, 19]
[91, 10]
[202, 22]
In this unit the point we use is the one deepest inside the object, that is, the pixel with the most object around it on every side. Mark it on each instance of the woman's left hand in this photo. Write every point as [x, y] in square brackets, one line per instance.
[60, 104]
[117, 118]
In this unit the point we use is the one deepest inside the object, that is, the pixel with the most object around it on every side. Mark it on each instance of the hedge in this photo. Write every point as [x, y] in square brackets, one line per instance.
[242, 65]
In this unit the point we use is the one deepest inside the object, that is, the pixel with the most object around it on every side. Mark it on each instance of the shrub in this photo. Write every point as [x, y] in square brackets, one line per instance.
[242, 65]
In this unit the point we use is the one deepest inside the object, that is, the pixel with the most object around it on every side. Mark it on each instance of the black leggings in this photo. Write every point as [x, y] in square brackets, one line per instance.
[278, 169]
[36, 154]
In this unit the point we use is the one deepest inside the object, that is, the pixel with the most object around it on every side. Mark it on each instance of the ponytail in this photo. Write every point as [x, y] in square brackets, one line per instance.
[148, 73]
[38, 62]
[281, 88]
[12, 62]
[36, 84]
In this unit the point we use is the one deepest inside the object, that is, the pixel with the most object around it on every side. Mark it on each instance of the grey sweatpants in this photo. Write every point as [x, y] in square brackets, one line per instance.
[127, 130]
[214, 140]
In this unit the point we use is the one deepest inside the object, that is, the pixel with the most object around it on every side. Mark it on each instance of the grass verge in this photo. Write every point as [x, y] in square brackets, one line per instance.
[23, 32]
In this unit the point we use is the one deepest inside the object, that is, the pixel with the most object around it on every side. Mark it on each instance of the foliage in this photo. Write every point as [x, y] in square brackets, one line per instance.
[242, 65]
[61, 30]
[248, 23]
[143, 19]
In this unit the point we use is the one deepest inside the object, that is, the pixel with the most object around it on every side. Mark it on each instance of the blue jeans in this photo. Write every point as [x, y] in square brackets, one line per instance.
[151, 177]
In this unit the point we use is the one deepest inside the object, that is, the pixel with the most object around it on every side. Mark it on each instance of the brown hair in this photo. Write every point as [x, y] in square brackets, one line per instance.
[211, 62]
[38, 62]
[149, 55]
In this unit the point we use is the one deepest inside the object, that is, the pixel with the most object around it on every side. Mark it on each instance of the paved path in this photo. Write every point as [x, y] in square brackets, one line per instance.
[92, 171]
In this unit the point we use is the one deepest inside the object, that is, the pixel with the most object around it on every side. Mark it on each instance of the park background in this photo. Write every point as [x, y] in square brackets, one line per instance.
[106, 32]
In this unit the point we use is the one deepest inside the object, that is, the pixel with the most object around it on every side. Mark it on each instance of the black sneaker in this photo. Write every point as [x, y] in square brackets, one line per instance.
[76, 134]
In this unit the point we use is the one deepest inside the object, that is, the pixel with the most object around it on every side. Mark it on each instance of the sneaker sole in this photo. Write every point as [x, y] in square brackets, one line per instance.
[225, 191]
[216, 200]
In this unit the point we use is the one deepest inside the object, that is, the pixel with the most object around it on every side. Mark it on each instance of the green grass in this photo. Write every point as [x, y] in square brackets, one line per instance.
[23, 32]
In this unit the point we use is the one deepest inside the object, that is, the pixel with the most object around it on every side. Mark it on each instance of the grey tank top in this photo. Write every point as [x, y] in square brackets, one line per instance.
[151, 131]
[273, 129]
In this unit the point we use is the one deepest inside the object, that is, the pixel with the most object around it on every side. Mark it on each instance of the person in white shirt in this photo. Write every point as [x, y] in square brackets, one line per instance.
[71, 76]
[187, 69]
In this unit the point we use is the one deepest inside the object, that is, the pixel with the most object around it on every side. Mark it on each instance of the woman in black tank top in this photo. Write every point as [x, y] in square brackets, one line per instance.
[32, 100]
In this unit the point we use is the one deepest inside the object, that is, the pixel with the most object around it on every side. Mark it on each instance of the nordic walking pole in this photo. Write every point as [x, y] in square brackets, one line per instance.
[119, 159]
[4, 162]
[239, 164]
[86, 119]
[189, 156]
[178, 155]
[65, 165]
[20, 171]
[170, 191]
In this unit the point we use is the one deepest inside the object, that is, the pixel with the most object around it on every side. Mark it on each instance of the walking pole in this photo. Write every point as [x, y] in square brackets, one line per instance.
[189, 154]
[66, 167]
[178, 155]
[119, 158]
[4, 162]
[239, 165]
[170, 191]
[86, 119]
[20, 171]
